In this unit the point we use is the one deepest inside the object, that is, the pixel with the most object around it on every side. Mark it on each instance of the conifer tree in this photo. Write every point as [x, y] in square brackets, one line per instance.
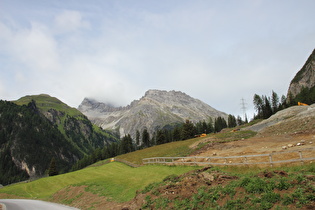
[274, 102]
[145, 138]
[137, 138]
[219, 124]
[188, 130]
[52, 171]
[176, 134]
[160, 137]
[231, 121]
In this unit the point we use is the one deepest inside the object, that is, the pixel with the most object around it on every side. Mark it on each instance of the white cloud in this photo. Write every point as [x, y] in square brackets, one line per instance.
[34, 47]
[70, 21]
[215, 52]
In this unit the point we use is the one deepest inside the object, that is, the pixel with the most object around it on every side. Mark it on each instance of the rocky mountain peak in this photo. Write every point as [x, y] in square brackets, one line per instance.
[168, 97]
[156, 109]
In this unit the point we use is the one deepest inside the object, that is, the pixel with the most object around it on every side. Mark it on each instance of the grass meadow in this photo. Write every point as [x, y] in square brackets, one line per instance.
[116, 181]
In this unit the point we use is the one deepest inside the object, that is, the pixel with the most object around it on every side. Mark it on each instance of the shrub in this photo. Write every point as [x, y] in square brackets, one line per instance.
[171, 178]
[244, 182]
[149, 187]
[283, 184]
[257, 185]
[161, 203]
[271, 197]
[287, 200]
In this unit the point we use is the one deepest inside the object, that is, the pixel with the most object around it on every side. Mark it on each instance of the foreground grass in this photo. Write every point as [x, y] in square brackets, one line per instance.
[116, 181]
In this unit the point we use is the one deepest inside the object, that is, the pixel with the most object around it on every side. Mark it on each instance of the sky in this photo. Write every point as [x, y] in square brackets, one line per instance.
[217, 51]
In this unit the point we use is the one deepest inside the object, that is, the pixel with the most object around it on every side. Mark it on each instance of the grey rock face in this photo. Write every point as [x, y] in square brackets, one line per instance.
[304, 78]
[154, 110]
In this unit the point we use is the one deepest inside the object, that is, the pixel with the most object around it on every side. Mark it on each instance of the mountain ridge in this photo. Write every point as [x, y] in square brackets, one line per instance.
[155, 109]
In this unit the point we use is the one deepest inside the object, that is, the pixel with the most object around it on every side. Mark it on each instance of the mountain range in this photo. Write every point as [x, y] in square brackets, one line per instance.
[36, 129]
[155, 110]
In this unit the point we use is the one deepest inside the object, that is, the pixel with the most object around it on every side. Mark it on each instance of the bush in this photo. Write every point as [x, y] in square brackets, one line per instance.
[283, 184]
[257, 185]
[287, 200]
[271, 197]
[171, 178]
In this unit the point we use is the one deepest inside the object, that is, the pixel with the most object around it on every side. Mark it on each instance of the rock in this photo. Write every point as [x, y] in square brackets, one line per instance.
[284, 147]
[305, 78]
[207, 177]
[290, 145]
[310, 177]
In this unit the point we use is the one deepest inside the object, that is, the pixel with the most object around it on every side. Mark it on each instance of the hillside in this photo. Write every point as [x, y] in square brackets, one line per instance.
[41, 128]
[75, 126]
[295, 119]
[156, 109]
[28, 142]
[117, 186]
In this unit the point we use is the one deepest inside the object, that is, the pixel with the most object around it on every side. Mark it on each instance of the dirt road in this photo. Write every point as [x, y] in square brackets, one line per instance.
[24, 204]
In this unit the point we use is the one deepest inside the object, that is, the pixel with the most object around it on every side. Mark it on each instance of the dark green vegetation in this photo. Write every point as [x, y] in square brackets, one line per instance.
[307, 95]
[267, 106]
[168, 134]
[30, 139]
[41, 128]
[75, 126]
[234, 188]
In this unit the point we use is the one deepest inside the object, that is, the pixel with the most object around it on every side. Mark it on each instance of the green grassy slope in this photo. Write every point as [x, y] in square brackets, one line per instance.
[114, 180]
[76, 128]
[173, 149]
[46, 102]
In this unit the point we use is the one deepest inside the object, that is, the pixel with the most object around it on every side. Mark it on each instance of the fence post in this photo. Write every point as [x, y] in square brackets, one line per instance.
[270, 160]
[301, 157]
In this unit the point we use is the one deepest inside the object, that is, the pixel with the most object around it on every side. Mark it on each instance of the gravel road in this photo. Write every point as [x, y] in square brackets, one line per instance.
[24, 204]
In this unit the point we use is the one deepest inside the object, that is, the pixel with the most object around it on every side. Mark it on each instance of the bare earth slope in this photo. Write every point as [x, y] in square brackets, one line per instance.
[290, 126]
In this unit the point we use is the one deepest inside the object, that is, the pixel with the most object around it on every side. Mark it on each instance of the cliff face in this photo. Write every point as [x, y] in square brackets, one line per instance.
[304, 78]
[154, 110]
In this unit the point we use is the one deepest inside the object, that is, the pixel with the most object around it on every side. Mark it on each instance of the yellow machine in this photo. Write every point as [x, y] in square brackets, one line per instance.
[302, 104]
[201, 135]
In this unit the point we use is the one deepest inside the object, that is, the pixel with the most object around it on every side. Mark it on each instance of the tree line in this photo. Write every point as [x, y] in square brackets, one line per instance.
[167, 134]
